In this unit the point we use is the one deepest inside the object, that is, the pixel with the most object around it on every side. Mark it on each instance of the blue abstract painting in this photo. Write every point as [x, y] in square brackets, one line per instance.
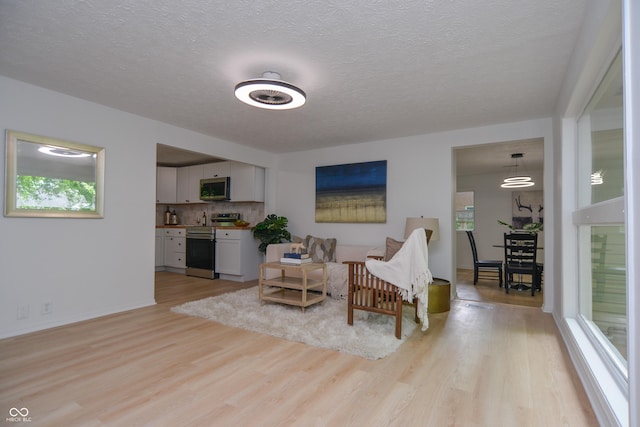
[354, 192]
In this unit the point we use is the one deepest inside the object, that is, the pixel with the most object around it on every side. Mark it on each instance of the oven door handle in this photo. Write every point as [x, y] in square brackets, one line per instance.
[200, 237]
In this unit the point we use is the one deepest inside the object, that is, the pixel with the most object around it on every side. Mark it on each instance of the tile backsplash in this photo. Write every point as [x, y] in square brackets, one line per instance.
[252, 212]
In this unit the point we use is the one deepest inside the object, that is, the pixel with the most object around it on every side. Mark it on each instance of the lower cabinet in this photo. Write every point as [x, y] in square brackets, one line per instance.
[159, 248]
[228, 256]
[237, 255]
[174, 248]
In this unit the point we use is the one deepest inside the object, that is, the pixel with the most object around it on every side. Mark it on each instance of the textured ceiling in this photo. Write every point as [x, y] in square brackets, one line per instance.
[496, 158]
[372, 69]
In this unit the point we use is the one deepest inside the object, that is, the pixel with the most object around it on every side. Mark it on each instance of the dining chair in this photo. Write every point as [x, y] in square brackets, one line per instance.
[487, 267]
[520, 251]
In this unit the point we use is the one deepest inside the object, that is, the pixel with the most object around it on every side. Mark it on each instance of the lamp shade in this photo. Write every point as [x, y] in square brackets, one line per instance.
[429, 223]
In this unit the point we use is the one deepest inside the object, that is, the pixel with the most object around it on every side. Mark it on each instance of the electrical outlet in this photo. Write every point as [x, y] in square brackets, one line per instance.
[23, 312]
[46, 308]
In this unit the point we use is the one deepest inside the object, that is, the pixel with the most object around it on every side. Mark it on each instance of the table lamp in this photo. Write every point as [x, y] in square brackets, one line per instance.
[429, 223]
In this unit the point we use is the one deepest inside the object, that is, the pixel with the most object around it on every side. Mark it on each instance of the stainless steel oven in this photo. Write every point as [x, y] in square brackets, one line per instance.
[201, 252]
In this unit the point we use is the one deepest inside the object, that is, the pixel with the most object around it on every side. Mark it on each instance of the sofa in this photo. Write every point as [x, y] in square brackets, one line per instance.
[337, 272]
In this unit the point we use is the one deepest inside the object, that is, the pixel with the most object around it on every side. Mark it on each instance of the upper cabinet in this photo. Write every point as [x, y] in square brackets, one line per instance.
[182, 185]
[216, 170]
[247, 183]
[188, 188]
[166, 181]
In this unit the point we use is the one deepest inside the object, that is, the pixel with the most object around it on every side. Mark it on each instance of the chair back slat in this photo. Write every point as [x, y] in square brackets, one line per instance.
[520, 249]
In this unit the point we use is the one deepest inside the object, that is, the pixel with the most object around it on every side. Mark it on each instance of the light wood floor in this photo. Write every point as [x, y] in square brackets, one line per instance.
[487, 290]
[479, 364]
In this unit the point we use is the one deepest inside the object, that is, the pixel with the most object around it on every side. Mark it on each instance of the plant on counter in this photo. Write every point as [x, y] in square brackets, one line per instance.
[532, 227]
[273, 229]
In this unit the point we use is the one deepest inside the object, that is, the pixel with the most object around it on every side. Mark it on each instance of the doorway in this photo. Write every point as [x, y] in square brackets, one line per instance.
[481, 169]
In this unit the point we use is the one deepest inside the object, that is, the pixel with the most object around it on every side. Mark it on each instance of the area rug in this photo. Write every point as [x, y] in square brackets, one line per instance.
[324, 325]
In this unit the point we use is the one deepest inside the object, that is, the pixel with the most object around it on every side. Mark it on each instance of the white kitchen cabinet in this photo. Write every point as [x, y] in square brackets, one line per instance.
[216, 170]
[237, 255]
[182, 185]
[174, 247]
[166, 184]
[159, 248]
[247, 182]
[188, 188]
[228, 256]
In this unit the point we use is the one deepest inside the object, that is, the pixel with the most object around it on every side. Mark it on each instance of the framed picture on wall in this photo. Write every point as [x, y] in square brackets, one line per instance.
[354, 192]
[526, 207]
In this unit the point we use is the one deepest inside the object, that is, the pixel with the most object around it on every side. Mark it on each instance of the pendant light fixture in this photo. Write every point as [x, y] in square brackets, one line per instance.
[270, 92]
[515, 180]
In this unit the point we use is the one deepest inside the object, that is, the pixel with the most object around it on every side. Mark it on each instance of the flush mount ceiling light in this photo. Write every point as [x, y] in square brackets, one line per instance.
[515, 180]
[270, 92]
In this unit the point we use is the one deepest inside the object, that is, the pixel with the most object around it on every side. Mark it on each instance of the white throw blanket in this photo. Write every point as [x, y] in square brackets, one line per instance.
[409, 271]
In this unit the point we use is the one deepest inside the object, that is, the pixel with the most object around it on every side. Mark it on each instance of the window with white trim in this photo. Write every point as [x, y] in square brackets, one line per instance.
[600, 219]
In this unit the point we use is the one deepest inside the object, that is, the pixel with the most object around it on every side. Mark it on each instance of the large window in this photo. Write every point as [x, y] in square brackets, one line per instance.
[600, 218]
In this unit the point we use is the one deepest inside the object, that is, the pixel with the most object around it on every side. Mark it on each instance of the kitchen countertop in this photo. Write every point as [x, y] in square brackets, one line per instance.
[224, 227]
[233, 227]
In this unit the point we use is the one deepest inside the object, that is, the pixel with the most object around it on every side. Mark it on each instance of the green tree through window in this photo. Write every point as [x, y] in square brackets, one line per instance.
[38, 192]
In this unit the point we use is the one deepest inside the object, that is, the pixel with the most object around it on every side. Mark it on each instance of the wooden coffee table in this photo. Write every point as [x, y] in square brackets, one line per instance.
[286, 289]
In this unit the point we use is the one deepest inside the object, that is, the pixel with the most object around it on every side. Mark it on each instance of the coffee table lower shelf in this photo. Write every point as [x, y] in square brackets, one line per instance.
[286, 289]
[292, 297]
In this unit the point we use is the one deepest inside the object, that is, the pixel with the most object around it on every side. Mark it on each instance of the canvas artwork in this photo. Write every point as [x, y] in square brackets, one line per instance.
[526, 207]
[354, 192]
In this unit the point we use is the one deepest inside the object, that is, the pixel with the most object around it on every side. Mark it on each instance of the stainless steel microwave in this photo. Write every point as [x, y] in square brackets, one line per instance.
[215, 189]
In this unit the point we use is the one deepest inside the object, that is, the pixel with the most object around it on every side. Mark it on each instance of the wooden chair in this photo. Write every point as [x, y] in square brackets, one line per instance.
[489, 268]
[520, 251]
[370, 293]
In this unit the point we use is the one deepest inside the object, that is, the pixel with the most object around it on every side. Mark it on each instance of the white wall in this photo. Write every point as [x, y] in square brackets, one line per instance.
[420, 181]
[89, 267]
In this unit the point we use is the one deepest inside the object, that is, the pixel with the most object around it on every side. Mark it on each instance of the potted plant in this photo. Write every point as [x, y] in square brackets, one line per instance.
[273, 229]
[532, 227]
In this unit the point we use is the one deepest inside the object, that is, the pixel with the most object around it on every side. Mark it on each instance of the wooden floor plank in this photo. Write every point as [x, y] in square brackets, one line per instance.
[480, 364]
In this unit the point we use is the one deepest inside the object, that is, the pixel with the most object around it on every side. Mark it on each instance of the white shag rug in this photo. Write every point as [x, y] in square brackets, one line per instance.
[324, 325]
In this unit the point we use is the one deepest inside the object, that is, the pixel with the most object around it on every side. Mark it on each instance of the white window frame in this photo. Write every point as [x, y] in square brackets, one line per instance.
[614, 398]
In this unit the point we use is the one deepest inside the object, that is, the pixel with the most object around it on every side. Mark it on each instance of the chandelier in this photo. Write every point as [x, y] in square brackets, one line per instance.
[516, 180]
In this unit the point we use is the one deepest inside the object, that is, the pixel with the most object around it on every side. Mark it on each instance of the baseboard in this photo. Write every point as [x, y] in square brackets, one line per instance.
[235, 278]
[35, 327]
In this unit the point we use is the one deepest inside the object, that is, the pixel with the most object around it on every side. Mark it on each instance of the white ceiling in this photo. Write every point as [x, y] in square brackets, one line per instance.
[496, 158]
[372, 70]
